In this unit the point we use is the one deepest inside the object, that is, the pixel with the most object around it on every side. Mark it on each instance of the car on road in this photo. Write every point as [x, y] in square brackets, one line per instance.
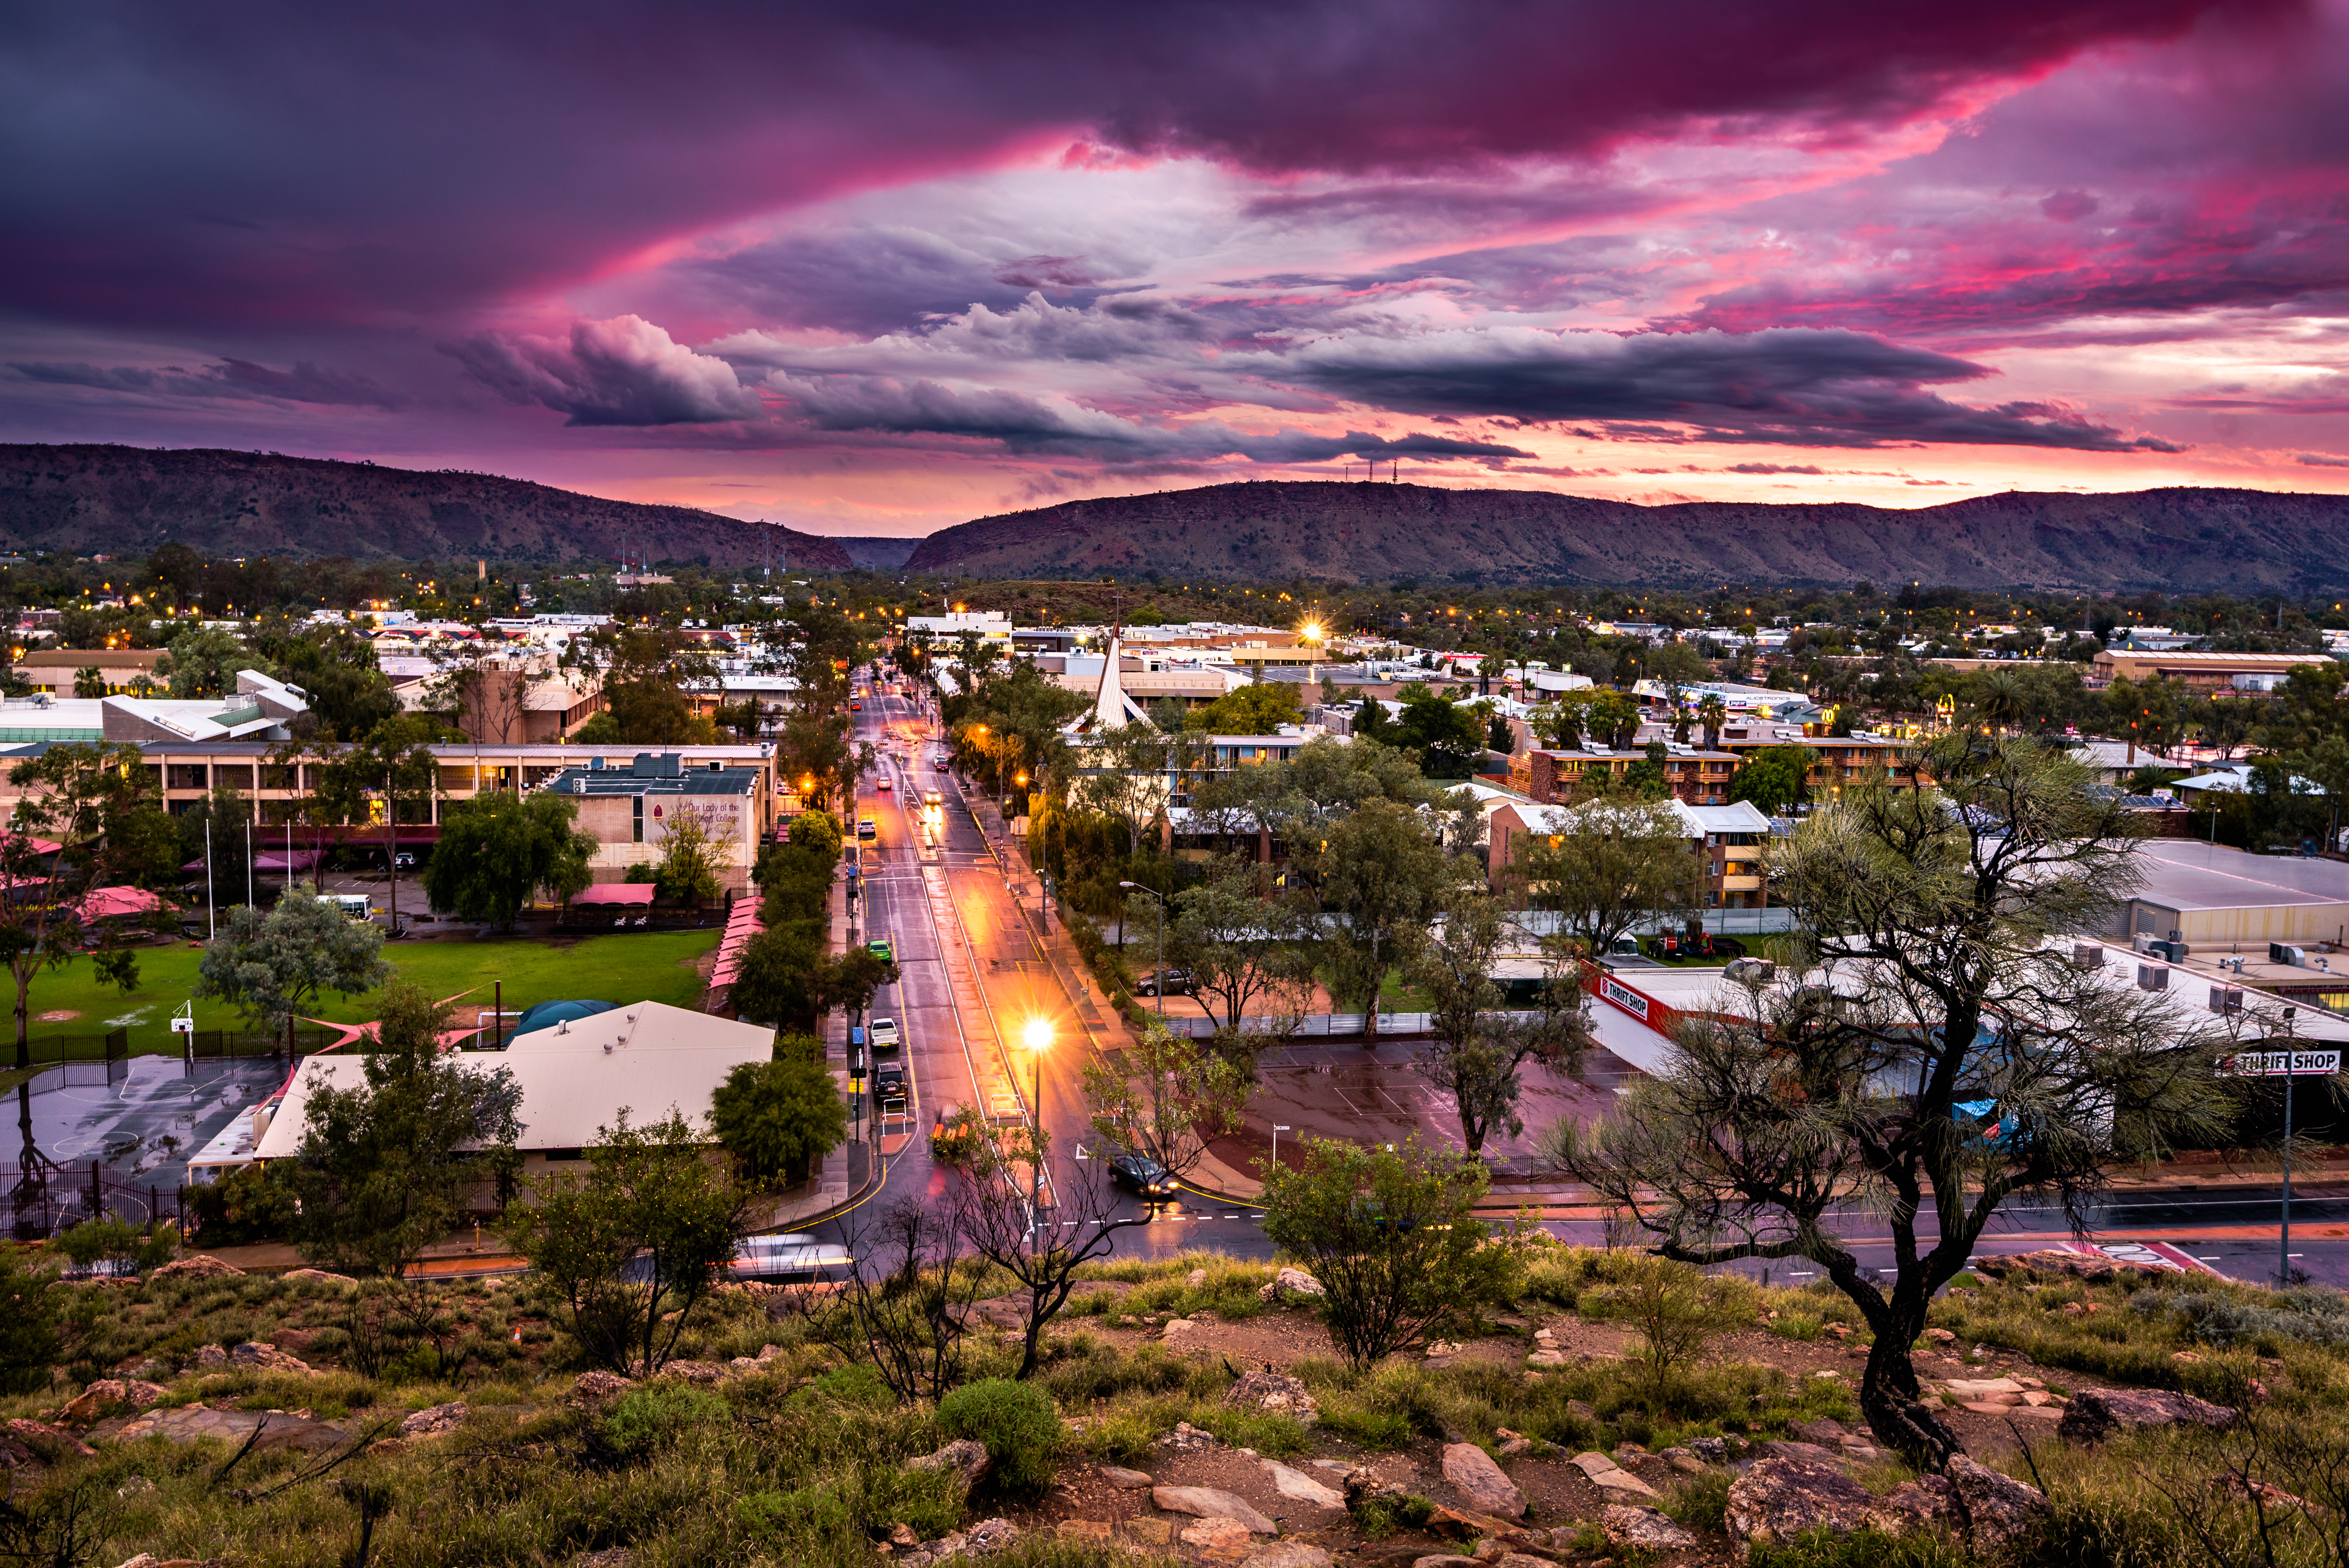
[884, 1034]
[889, 1083]
[882, 784]
[855, 705]
[883, 948]
[1142, 1174]
[867, 829]
[1171, 982]
[404, 861]
[933, 802]
[943, 765]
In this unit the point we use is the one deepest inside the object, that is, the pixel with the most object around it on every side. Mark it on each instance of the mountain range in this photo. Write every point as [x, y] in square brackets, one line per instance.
[2179, 541]
[129, 499]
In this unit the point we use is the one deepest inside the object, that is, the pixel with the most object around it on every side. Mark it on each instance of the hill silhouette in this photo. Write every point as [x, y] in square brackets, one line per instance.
[129, 499]
[2180, 541]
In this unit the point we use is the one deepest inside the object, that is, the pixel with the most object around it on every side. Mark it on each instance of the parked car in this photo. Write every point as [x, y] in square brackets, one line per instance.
[1142, 1174]
[404, 861]
[884, 1034]
[1172, 981]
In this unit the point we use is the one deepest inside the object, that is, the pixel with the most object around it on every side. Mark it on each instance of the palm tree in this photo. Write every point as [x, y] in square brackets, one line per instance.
[2002, 701]
[1711, 713]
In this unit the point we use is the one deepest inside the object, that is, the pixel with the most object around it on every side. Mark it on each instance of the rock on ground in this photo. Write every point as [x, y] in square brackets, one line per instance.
[196, 1266]
[1286, 1554]
[1288, 1283]
[964, 1455]
[1998, 1509]
[266, 1358]
[1642, 1528]
[1122, 1479]
[1607, 1476]
[110, 1391]
[2096, 1414]
[1299, 1487]
[1483, 1482]
[434, 1421]
[1206, 1503]
[1781, 1498]
[599, 1384]
[1217, 1539]
[1275, 1391]
[1926, 1503]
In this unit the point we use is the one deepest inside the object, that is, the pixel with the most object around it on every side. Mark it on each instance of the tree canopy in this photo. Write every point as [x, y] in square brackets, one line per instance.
[498, 849]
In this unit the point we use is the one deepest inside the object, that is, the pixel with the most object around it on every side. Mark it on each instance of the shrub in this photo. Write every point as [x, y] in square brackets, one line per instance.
[645, 1417]
[1794, 1325]
[2301, 1316]
[1016, 1424]
[247, 1206]
[29, 1345]
[118, 1242]
[1676, 1309]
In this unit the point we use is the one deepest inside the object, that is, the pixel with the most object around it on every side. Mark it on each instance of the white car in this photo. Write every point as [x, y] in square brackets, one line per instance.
[884, 1035]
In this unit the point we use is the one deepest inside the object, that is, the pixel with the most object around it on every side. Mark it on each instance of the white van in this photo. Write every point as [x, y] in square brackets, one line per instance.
[358, 905]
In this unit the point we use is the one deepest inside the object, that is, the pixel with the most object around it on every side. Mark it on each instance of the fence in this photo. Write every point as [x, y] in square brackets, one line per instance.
[207, 1045]
[42, 1198]
[1539, 923]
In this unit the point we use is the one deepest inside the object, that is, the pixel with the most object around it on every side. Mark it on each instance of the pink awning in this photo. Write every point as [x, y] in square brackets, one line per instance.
[112, 902]
[616, 892]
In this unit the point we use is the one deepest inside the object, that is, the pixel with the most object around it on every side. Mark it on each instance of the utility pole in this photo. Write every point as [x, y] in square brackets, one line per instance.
[391, 844]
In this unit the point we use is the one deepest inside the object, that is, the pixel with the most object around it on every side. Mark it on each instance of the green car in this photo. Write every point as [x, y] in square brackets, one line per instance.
[880, 948]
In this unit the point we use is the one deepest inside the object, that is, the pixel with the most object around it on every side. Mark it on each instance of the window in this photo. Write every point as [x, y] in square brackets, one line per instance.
[639, 801]
[185, 776]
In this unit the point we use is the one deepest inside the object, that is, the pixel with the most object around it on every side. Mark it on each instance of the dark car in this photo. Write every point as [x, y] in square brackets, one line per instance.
[1173, 982]
[889, 1082]
[1142, 1174]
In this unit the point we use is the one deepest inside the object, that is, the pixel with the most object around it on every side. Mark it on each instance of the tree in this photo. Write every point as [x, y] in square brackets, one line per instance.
[633, 1246]
[1240, 946]
[1615, 864]
[388, 1166]
[1124, 775]
[905, 1308]
[694, 858]
[204, 661]
[1477, 1051]
[777, 1119]
[1943, 913]
[273, 967]
[217, 832]
[339, 677]
[1776, 778]
[1384, 875]
[1446, 736]
[89, 681]
[1394, 1237]
[1260, 707]
[498, 849]
[30, 1345]
[1713, 715]
[1042, 1252]
[1164, 1098]
[648, 675]
[57, 848]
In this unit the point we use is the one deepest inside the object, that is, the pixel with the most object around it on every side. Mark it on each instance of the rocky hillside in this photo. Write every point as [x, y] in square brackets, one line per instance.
[129, 499]
[2242, 542]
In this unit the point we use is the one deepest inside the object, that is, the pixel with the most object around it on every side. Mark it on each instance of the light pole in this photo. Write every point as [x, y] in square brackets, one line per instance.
[1277, 1130]
[1039, 1035]
[1158, 983]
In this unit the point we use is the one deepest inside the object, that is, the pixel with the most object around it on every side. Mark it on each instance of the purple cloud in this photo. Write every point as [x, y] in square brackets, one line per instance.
[621, 372]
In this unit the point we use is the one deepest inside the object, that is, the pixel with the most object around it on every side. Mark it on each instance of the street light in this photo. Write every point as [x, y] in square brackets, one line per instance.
[1038, 1038]
[1158, 985]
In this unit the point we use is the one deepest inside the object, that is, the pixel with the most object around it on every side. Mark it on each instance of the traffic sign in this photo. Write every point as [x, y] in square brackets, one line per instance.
[2281, 1064]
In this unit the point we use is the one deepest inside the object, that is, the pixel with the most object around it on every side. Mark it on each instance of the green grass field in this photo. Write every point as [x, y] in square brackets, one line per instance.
[656, 966]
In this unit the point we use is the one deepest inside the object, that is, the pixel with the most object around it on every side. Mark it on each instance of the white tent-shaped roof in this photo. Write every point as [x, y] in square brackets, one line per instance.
[1112, 709]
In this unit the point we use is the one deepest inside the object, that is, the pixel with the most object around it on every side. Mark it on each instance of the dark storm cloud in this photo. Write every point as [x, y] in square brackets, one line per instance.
[275, 161]
[1795, 387]
[231, 378]
[621, 372]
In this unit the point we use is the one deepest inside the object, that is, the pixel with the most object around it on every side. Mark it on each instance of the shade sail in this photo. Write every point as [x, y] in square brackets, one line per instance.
[616, 892]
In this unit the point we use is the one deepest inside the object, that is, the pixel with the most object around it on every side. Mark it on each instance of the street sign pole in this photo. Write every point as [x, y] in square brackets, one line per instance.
[2284, 1236]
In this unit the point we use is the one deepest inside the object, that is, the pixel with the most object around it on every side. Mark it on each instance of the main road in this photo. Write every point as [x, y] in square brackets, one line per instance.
[973, 981]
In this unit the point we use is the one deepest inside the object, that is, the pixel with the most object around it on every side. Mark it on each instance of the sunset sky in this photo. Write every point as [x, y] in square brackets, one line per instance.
[881, 268]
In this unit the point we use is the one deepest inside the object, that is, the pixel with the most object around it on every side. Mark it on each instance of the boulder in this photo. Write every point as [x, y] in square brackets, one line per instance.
[2094, 1268]
[45, 1441]
[1484, 1483]
[1270, 1391]
[1547, 1359]
[1286, 1554]
[1218, 1539]
[1206, 1503]
[964, 1457]
[109, 1394]
[1195, 1280]
[695, 1371]
[278, 1430]
[1941, 1337]
[1609, 1477]
[1148, 1530]
[1998, 1509]
[1642, 1529]
[196, 1266]
[599, 1384]
[1288, 1284]
[1825, 1433]
[2095, 1414]
[321, 1276]
[1925, 1503]
[266, 1358]
[209, 1358]
[1446, 1560]
[1716, 1451]
[1780, 1500]
[436, 1420]
[1122, 1479]
[1186, 1438]
[1298, 1487]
